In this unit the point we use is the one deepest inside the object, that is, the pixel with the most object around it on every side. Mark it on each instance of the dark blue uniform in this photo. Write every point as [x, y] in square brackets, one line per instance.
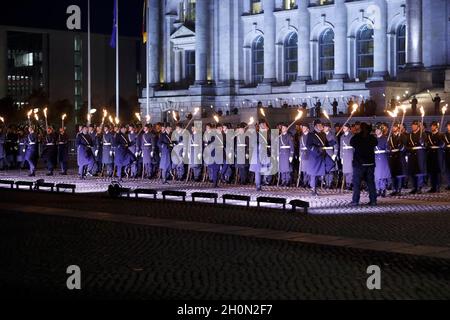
[286, 156]
[148, 149]
[382, 170]
[108, 153]
[134, 149]
[85, 155]
[304, 160]
[213, 163]
[123, 156]
[50, 152]
[196, 156]
[397, 161]
[22, 149]
[320, 162]
[178, 154]
[242, 156]
[31, 153]
[417, 159]
[435, 156]
[63, 152]
[165, 147]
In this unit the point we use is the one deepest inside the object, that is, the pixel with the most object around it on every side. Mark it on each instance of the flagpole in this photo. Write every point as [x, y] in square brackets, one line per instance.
[89, 59]
[147, 61]
[117, 60]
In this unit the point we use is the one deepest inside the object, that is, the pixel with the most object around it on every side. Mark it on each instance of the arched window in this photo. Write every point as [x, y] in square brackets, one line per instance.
[364, 50]
[291, 57]
[258, 60]
[401, 46]
[326, 55]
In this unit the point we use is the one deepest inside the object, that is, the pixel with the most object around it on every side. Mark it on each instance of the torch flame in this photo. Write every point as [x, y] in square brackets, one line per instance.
[105, 113]
[299, 115]
[35, 111]
[2, 119]
[393, 114]
[252, 121]
[111, 119]
[138, 116]
[148, 118]
[174, 116]
[36, 117]
[263, 113]
[422, 111]
[216, 118]
[325, 114]
[45, 112]
[444, 109]
[355, 108]
[117, 120]
[196, 111]
[404, 108]
[29, 114]
[64, 116]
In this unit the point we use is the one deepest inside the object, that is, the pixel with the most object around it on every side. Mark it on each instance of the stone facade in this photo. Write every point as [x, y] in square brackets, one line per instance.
[399, 52]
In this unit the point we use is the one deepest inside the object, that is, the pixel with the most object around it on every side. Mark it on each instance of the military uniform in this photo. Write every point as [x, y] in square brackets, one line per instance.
[446, 138]
[134, 150]
[346, 156]
[148, 148]
[2, 150]
[397, 161]
[417, 159]
[286, 156]
[332, 151]
[85, 155]
[50, 152]
[32, 153]
[22, 142]
[108, 153]
[242, 157]
[382, 171]
[320, 162]
[304, 160]
[178, 161]
[435, 145]
[63, 152]
[124, 158]
[215, 140]
[165, 164]
[195, 156]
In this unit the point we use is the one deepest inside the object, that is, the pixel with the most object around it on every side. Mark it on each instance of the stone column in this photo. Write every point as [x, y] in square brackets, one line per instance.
[225, 42]
[3, 63]
[201, 41]
[154, 42]
[177, 64]
[304, 52]
[269, 41]
[340, 41]
[414, 34]
[380, 41]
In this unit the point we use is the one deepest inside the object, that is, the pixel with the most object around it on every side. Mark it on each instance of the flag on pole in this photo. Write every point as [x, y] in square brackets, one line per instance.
[144, 23]
[112, 43]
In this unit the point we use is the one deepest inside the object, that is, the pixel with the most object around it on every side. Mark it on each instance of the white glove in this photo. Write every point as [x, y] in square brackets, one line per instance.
[96, 153]
[199, 156]
[247, 156]
[137, 154]
[334, 157]
[291, 159]
[24, 150]
[111, 153]
[151, 154]
[230, 156]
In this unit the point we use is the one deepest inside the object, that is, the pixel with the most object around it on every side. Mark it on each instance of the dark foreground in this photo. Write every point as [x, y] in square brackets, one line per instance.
[125, 260]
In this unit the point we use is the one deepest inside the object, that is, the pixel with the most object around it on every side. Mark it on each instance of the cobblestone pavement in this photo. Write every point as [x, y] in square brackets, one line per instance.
[415, 227]
[329, 201]
[120, 260]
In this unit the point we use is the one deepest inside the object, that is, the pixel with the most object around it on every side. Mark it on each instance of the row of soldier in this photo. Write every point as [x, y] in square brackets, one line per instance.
[316, 155]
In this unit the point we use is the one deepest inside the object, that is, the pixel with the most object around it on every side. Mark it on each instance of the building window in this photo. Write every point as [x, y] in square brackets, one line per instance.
[291, 57]
[290, 4]
[365, 50]
[190, 66]
[256, 6]
[401, 46]
[187, 11]
[258, 60]
[326, 55]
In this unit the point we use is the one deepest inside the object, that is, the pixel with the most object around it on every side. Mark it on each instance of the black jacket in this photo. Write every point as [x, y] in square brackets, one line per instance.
[364, 149]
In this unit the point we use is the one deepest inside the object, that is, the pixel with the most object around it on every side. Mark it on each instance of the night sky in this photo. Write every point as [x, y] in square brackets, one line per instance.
[51, 14]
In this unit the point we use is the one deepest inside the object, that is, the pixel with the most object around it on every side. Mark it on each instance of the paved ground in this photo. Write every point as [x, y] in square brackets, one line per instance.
[121, 260]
